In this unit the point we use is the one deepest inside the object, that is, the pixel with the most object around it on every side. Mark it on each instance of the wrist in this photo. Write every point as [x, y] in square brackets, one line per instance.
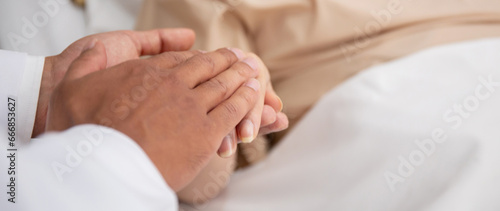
[46, 87]
[47, 71]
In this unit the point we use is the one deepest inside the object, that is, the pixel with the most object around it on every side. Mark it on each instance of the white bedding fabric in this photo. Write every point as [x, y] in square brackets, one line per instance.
[339, 155]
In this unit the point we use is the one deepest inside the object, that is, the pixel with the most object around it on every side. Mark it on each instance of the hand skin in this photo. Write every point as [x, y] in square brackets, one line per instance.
[126, 45]
[189, 102]
[266, 117]
[215, 176]
[267, 113]
[120, 46]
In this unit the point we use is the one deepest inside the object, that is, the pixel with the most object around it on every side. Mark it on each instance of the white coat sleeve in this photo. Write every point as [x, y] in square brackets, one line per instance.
[87, 167]
[20, 80]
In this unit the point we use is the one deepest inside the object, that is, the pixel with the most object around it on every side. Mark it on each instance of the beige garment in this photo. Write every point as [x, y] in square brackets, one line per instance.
[310, 46]
[80, 3]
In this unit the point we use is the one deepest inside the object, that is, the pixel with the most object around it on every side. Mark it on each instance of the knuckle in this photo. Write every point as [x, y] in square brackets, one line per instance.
[243, 71]
[248, 97]
[227, 55]
[172, 79]
[176, 58]
[219, 87]
[206, 60]
[231, 109]
[168, 59]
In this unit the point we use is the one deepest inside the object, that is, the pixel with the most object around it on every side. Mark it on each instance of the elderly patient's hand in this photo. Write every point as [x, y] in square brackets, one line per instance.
[120, 46]
[267, 113]
[266, 117]
[177, 106]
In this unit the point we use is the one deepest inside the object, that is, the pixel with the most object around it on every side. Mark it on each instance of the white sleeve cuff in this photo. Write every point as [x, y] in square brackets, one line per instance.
[28, 95]
[89, 167]
[20, 81]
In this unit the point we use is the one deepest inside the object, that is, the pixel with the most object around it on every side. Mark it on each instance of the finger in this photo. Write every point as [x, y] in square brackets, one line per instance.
[203, 67]
[157, 41]
[280, 124]
[230, 112]
[172, 59]
[219, 88]
[90, 60]
[228, 145]
[272, 99]
[249, 127]
[268, 116]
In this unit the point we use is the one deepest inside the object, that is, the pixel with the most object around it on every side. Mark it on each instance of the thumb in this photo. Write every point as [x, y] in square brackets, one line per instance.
[92, 59]
[162, 40]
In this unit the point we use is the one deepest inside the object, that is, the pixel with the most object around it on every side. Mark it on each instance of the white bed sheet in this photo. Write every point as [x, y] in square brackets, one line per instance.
[340, 155]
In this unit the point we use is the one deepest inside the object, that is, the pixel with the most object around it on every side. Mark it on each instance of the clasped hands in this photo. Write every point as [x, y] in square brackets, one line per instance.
[180, 106]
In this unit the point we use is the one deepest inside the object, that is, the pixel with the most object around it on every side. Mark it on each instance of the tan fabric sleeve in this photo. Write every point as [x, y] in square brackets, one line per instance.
[310, 46]
[215, 22]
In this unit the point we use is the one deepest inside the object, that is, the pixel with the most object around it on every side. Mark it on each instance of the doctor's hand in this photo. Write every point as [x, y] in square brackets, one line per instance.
[120, 46]
[177, 106]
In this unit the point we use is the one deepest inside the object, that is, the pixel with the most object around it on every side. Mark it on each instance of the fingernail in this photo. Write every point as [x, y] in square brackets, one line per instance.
[252, 62]
[228, 142]
[281, 104]
[239, 53]
[247, 131]
[253, 84]
[202, 51]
